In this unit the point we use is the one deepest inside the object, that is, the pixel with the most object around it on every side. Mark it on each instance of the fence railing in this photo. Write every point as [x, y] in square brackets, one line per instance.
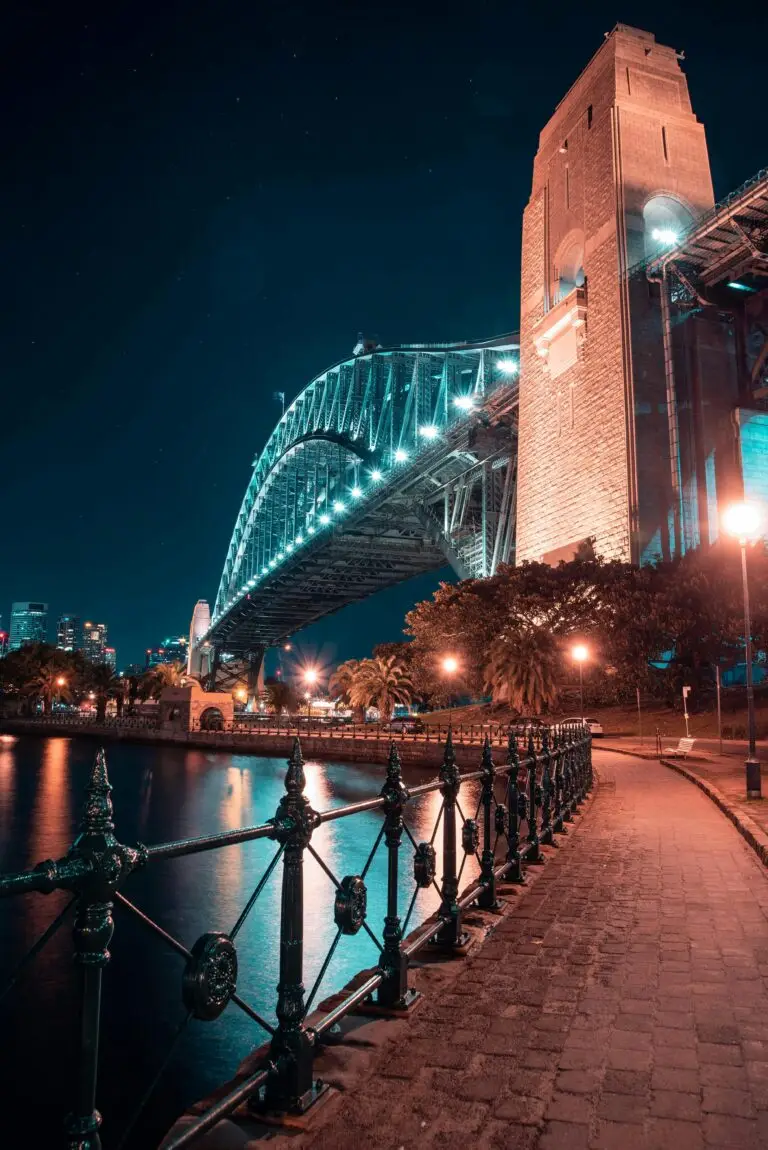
[521, 806]
[465, 734]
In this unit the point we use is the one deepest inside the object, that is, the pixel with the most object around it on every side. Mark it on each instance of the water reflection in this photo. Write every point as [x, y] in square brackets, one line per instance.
[169, 793]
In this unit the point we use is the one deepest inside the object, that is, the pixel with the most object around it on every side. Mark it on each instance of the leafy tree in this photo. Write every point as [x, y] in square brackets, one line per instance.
[281, 696]
[523, 668]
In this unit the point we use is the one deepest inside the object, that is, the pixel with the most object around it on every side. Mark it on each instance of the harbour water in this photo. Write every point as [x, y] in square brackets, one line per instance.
[161, 794]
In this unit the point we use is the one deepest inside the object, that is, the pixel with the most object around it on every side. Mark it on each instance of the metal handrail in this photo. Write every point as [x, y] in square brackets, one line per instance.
[542, 788]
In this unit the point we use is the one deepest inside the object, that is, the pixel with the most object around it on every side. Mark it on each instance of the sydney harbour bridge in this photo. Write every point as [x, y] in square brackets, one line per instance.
[392, 463]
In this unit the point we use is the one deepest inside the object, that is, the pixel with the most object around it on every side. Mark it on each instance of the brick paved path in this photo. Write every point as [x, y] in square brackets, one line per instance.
[623, 1005]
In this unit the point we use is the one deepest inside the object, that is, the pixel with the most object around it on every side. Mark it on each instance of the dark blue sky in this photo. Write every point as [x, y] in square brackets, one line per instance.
[204, 203]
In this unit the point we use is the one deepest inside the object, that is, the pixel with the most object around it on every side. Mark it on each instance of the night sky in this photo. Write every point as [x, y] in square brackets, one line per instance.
[204, 203]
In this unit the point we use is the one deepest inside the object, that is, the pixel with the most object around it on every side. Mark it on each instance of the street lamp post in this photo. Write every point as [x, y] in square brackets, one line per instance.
[310, 678]
[580, 656]
[743, 521]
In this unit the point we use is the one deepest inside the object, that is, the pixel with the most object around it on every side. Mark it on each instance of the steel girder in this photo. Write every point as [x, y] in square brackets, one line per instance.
[386, 466]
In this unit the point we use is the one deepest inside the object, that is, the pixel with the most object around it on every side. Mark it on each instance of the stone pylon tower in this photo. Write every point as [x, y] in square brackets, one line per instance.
[621, 169]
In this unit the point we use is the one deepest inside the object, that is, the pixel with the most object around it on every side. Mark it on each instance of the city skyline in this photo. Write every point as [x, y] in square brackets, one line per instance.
[188, 275]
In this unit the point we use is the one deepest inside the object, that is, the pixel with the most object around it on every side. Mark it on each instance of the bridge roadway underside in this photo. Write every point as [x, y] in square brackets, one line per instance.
[427, 516]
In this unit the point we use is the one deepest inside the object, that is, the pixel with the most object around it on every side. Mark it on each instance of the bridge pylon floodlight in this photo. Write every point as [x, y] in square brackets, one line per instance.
[429, 431]
[401, 455]
[376, 475]
[507, 366]
[464, 402]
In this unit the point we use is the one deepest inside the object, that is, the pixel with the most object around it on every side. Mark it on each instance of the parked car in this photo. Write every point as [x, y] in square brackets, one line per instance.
[594, 727]
[410, 726]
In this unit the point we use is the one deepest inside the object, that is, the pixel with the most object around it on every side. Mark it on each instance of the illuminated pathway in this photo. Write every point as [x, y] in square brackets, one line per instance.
[624, 1004]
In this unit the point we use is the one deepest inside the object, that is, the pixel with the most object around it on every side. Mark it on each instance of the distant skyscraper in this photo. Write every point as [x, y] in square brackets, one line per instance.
[67, 633]
[94, 642]
[172, 650]
[3, 643]
[110, 657]
[29, 624]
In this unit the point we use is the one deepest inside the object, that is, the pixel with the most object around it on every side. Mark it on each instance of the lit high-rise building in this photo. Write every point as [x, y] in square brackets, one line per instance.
[110, 657]
[67, 632]
[172, 650]
[94, 642]
[29, 624]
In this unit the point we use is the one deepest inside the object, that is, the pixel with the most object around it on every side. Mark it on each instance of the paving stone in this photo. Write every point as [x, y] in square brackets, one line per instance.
[676, 1104]
[621, 1003]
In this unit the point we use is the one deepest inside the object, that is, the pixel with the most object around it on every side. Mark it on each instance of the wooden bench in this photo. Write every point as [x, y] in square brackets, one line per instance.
[683, 748]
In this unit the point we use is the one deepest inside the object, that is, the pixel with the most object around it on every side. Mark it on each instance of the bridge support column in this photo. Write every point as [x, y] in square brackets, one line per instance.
[255, 677]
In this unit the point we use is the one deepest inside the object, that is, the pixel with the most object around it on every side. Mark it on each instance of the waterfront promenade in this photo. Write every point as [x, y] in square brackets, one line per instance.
[622, 1004]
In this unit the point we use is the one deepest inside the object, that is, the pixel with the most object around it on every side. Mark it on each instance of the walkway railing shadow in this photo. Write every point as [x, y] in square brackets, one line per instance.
[521, 806]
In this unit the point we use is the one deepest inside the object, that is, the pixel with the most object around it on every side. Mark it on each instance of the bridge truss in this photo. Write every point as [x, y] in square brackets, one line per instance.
[394, 462]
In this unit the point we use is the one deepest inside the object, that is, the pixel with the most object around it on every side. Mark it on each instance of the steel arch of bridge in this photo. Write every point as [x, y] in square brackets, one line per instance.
[390, 463]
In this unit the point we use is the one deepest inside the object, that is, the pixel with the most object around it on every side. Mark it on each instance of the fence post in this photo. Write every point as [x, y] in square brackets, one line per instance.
[546, 835]
[559, 742]
[393, 992]
[516, 805]
[292, 1088]
[92, 933]
[534, 801]
[449, 935]
[487, 897]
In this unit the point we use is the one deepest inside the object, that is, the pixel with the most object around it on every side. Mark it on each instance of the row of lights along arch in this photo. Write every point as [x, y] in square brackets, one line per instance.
[429, 433]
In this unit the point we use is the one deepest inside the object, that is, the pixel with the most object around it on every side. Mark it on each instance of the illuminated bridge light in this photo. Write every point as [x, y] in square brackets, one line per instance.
[280, 555]
[310, 530]
[400, 455]
[735, 286]
[664, 236]
[428, 432]
[264, 570]
[376, 475]
[289, 547]
[325, 518]
[464, 402]
[338, 506]
[357, 492]
[272, 562]
[507, 366]
[299, 540]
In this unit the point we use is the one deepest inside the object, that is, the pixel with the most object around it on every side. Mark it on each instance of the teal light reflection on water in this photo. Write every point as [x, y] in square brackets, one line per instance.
[163, 794]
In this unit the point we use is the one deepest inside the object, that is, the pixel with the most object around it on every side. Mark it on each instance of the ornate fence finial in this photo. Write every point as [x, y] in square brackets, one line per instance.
[394, 791]
[97, 811]
[295, 780]
[449, 771]
[486, 761]
[487, 897]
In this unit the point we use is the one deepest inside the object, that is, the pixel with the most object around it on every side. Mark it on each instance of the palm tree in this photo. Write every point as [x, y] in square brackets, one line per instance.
[522, 670]
[380, 682]
[341, 681]
[49, 682]
[156, 679]
[106, 685]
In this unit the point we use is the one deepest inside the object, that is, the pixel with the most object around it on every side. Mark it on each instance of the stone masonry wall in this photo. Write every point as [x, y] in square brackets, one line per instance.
[600, 158]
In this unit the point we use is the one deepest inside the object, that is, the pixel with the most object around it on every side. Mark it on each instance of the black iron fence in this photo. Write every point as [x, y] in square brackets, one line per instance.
[465, 734]
[521, 806]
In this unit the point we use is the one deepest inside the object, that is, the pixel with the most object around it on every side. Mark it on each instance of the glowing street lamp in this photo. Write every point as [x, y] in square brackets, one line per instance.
[580, 654]
[60, 682]
[742, 520]
[464, 402]
[310, 678]
[450, 666]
